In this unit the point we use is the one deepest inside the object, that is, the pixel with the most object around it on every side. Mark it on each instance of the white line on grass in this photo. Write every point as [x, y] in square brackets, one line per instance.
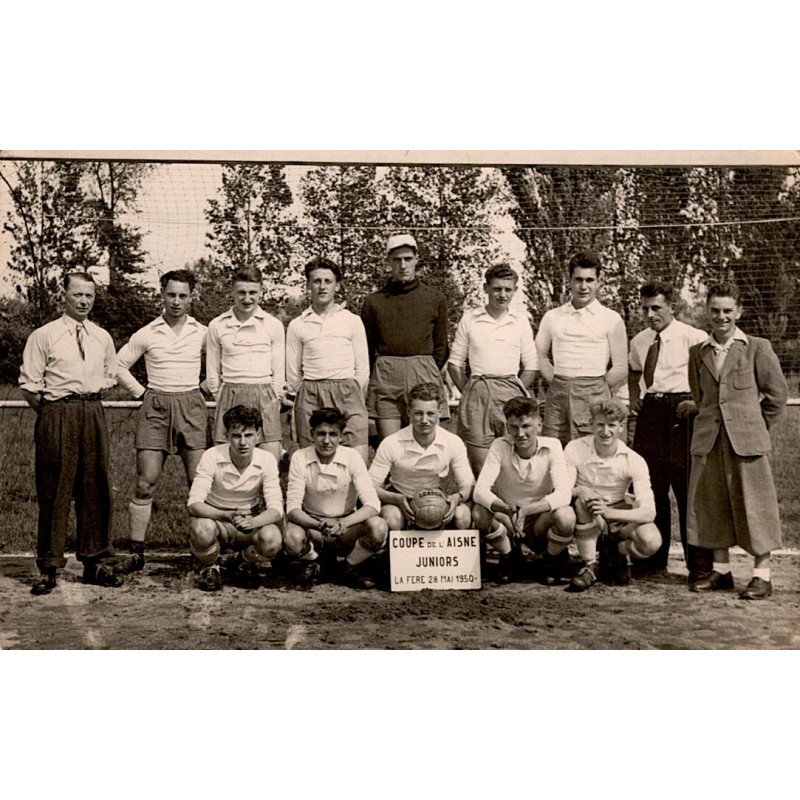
[295, 635]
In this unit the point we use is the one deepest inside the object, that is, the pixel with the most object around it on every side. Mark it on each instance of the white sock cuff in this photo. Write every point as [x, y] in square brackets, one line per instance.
[723, 569]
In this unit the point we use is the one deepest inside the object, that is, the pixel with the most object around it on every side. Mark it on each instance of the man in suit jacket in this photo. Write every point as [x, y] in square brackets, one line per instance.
[737, 384]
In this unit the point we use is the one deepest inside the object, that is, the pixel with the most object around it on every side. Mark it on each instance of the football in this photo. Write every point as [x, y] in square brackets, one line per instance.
[429, 507]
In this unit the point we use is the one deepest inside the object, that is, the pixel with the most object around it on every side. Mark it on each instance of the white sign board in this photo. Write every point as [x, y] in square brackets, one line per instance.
[434, 560]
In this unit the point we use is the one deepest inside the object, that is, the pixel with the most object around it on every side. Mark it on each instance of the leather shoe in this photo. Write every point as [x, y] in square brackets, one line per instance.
[45, 584]
[757, 589]
[714, 582]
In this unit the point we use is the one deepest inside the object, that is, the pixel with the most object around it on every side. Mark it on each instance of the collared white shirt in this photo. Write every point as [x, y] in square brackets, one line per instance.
[609, 476]
[494, 346]
[52, 362]
[411, 467]
[520, 481]
[253, 351]
[332, 346]
[672, 368]
[721, 350]
[329, 490]
[583, 340]
[218, 482]
[172, 359]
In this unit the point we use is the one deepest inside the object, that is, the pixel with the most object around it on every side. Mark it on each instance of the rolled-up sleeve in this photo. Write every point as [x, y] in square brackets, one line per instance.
[34, 359]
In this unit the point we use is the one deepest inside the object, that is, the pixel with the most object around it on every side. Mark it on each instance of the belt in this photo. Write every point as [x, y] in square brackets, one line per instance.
[668, 395]
[88, 397]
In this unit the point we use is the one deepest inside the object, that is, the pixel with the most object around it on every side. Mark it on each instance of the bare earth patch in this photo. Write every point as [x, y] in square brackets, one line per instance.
[160, 609]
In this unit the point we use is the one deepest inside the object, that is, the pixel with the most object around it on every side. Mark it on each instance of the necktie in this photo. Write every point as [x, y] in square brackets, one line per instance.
[651, 361]
[80, 333]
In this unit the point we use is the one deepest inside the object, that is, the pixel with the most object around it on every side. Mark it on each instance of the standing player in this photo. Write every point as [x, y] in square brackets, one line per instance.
[406, 324]
[245, 359]
[325, 481]
[740, 392]
[66, 366]
[495, 341]
[658, 382]
[585, 337]
[418, 457]
[327, 361]
[235, 501]
[602, 468]
[173, 416]
[523, 489]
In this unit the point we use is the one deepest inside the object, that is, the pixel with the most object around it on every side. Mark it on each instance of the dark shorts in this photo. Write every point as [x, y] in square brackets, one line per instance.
[257, 395]
[342, 394]
[480, 412]
[391, 380]
[172, 422]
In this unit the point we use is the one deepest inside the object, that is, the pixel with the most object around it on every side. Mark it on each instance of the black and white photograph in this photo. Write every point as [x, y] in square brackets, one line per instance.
[382, 401]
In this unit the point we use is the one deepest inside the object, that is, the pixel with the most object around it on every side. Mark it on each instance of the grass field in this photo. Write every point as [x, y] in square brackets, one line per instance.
[168, 528]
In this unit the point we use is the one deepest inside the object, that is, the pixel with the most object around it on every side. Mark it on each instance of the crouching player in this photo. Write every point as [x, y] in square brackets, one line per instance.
[417, 457]
[523, 490]
[602, 468]
[325, 480]
[235, 501]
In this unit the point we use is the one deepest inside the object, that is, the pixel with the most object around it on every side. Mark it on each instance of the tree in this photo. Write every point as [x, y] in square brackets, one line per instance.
[344, 219]
[252, 225]
[452, 211]
[557, 211]
[51, 232]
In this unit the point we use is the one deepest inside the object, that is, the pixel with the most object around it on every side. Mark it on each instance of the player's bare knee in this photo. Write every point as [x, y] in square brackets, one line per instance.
[144, 489]
[202, 533]
[564, 520]
[269, 541]
[394, 518]
[294, 539]
[482, 517]
[582, 513]
[462, 519]
[648, 539]
[377, 531]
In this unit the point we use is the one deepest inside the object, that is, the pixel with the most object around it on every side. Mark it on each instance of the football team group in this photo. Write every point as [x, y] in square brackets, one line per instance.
[531, 482]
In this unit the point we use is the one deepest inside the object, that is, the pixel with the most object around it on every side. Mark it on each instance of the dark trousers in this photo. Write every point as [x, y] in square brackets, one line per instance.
[663, 438]
[72, 460]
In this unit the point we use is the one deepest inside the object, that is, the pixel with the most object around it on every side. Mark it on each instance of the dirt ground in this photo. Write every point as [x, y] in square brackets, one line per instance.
[161, 609]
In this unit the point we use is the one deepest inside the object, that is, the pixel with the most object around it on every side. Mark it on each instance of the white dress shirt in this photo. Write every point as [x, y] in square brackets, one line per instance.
[253, 351]
[412, 467]
[53, 365]
[172, 359]
[332, 346]
[584, 341]
[672, 368]
[494, 346]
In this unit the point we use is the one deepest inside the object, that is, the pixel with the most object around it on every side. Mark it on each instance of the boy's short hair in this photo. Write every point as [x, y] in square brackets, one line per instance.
[320, 262]
[723, 290]
[327, 416]
[500, 272]
[585, 259]
[655, 288]
[246, 275]
[610, 408]
[521, 407]
[242, 417]
[425, 391]
[178, 275]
